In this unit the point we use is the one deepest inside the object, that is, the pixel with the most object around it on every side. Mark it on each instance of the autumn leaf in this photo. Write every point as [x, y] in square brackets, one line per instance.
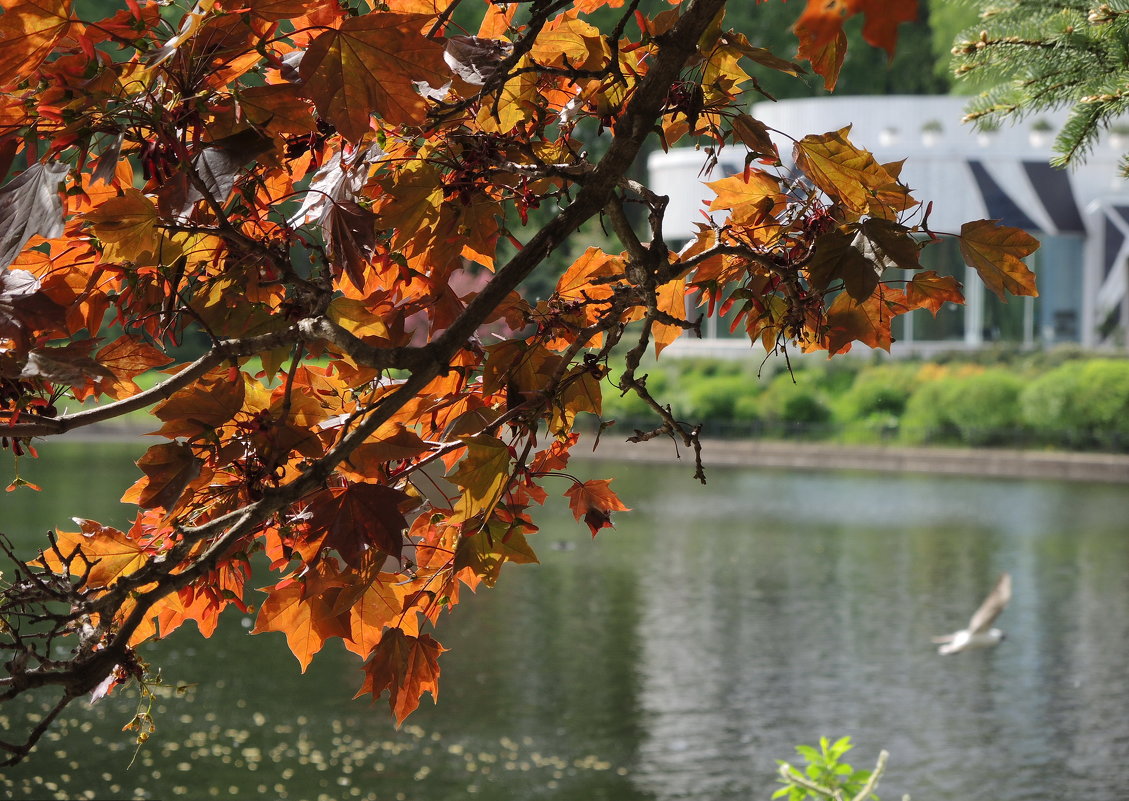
[594, 501]
[127, 357]
[24, 307]
[28, 31]
[820, 30]
[753, 134]
[169, 468]
[369, 66]
[671, 298]
[307, 618]
[751, 197]
[127, 227]
[69, 365]
[837, 257]
[868, 322]
[483, 474]
[843, 171]
[488, 548]
[996, 251]
[200, 407]
[474, 58]
[582, 279]
[568, 41]
[407, 667]
[110, 553]
[928, 290]
[373, 607]
[359, 517]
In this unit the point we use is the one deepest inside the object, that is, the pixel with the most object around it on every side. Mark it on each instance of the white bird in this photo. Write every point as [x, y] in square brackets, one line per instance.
[980, 633]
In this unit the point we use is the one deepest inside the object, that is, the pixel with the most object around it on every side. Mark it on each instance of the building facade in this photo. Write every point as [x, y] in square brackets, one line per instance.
[1081, 216]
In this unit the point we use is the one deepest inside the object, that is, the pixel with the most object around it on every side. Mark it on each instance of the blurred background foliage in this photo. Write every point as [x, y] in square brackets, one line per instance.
[1059, 398]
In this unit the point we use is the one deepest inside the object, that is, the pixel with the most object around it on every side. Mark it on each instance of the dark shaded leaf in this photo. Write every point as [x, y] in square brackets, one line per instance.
[30, 205]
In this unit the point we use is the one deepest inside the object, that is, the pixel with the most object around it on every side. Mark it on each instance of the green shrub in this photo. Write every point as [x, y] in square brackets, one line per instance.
[926, 417]
[1103, 400]
[1049, 405]
[716, 398]
[795, 399]
[985, 408]
[882, 391]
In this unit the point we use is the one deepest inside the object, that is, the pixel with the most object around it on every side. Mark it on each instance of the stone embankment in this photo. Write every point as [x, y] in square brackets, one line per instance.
[1051, 465]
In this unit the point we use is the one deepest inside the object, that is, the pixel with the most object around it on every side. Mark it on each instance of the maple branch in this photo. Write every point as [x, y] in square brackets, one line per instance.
[406, 357]
[223, 351]
[156, 578]
[675, 48]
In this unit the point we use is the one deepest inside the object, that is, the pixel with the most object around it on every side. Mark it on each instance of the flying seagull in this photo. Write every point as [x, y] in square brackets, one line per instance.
[980, 633]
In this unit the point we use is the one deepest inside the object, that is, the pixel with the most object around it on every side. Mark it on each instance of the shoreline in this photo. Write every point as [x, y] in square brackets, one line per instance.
[795, 455]
[982, 462]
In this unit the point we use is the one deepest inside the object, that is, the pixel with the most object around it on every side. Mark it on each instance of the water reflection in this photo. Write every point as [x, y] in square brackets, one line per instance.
[674, 658]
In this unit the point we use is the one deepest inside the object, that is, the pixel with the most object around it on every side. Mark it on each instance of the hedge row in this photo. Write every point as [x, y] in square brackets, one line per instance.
[1041, 401]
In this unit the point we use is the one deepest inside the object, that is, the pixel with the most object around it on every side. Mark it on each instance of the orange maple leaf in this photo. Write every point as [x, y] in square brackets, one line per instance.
[29, 30]
[820, 30]
[110, 553]
[594, 501]
[407, 667]
[304, 611]
[867, 322]
[929, 290]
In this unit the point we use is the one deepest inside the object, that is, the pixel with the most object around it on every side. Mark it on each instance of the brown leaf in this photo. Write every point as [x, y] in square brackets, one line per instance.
[352, 238]
[370, 66]
[474, 58]
[996, 252]
[754, 135]
[359, 517]
[25, 308]
[594, 501]
[169, 468]
[929, 290]
[407, 667]
[837, 257]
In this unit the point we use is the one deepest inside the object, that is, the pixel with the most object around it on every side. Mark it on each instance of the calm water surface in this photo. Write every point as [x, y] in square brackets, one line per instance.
[674, 658]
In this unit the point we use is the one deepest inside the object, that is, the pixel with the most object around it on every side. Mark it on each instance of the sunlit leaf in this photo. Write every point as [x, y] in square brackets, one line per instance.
[407, 667]
[996, 252]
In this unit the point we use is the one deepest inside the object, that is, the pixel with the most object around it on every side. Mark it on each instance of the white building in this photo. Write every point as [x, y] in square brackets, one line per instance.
[1081, 217]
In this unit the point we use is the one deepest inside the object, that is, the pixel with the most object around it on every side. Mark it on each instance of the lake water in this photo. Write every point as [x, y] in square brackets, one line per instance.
[676, 657]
